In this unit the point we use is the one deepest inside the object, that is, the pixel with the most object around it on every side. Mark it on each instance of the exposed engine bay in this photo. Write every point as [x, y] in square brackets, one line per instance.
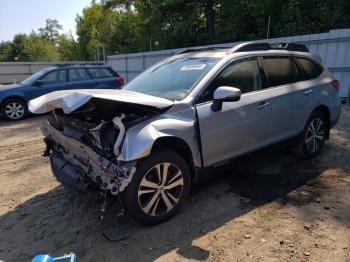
[83, 146]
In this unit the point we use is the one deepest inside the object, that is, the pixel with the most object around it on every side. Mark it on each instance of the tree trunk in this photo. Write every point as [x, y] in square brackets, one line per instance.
[210, 19]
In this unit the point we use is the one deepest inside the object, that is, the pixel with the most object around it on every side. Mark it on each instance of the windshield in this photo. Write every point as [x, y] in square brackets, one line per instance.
[172, 79]
[33, 78]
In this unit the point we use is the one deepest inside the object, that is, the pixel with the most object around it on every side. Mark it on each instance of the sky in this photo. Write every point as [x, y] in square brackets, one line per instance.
[23, 16]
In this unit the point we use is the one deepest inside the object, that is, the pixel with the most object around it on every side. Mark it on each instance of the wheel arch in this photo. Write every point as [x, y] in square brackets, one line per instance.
[11, 97]
[326, 112]
[179, 146]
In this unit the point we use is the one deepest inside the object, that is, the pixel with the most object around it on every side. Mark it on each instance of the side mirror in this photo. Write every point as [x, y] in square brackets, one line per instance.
[225, 94]
[39, 82]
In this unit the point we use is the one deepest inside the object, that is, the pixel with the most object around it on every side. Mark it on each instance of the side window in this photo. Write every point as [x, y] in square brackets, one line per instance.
[101, 72]
[280, 70]
[243, 74]
[78, 74]
[54, 77]
[311, 69]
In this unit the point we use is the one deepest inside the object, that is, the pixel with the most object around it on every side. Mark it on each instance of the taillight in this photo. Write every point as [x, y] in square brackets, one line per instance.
[120, 80]
[335, 84]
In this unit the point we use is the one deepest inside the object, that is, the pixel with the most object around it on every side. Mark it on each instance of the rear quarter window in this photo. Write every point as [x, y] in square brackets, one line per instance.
[102, 72]
[311, 69]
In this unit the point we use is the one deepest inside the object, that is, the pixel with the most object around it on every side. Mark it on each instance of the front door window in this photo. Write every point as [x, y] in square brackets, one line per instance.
[242, 74]
[54, 77]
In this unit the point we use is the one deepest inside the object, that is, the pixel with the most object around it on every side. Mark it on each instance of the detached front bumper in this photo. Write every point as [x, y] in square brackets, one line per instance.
[77, 165]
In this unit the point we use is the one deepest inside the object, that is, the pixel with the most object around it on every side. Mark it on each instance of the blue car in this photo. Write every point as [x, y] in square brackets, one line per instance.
[14, 98]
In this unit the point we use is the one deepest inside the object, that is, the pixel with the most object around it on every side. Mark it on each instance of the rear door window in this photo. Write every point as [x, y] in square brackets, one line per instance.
[102, 72]
[311, 69]
[78, 74]
[280, 70]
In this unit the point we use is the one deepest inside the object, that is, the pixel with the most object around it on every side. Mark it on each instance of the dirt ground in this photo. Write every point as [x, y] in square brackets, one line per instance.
[267, 207]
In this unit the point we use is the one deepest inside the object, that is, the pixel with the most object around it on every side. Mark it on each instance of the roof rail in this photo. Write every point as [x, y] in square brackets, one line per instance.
[294, 47]
[253, 46]
[77, 64]
[188, 50]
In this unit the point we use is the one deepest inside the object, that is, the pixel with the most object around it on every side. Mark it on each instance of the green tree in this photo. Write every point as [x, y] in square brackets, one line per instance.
[6, 51]
[68, 48]
[122, 26]
[93, 29]
[135, 25]
[20, 53]
[39, 49]
[124, 4]
[125, 35]
[113, 30]
[51, 31]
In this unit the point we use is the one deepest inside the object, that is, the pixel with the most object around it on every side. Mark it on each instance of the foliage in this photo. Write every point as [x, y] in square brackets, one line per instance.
[179, 23]
[122, 26]
[39, 49]
[124, 4]
[68, 48]
[46, 45]
[94, 28]
[6, 51]
[115, 31]
[51, 31]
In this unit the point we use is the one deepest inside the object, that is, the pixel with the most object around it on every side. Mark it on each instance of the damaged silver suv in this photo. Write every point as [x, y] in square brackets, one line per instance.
[198, 109]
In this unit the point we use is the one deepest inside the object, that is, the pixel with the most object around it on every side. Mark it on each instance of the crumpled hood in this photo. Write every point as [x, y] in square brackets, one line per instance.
[70, 100]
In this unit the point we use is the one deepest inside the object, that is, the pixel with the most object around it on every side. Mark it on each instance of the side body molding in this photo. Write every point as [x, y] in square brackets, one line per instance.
[180, 124]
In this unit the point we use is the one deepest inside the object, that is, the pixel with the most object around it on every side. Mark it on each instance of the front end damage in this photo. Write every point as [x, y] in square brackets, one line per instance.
[84, 142]
[77, 165]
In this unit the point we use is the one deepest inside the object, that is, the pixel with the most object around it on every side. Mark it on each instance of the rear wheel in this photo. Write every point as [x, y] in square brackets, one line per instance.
[314, 135]
[14, 109]
[159, 187]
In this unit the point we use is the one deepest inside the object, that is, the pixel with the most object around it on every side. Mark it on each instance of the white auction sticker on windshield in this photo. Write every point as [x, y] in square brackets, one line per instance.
[192, 67]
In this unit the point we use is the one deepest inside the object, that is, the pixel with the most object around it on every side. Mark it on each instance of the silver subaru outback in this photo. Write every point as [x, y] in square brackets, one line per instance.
[198, 109]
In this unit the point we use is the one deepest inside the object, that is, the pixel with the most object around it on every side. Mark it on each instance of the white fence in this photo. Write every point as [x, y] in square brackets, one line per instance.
[14, 72]
[333, 47]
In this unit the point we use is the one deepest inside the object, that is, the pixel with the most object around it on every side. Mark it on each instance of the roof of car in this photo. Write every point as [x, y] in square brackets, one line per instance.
[251, 47]
[79, 65]
[214, 53]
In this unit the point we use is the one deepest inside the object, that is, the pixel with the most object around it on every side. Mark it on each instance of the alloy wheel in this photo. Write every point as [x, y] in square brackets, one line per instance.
[160, 189]
[315, 135]
[14, 110]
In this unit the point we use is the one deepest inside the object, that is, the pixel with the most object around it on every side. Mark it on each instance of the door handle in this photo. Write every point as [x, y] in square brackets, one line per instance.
[308, 92]
[263, 105]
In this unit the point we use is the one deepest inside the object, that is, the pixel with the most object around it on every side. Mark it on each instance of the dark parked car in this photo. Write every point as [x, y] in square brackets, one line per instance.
[14, 98]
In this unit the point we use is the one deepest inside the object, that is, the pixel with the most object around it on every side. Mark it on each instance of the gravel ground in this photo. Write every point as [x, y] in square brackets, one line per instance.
[269, 206]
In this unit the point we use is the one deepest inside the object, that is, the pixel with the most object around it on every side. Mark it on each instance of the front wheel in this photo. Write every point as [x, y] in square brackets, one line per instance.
[14, 109]
[159, 187]
[314, 135]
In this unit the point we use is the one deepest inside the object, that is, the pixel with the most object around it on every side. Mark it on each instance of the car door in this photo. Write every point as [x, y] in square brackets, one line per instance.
[52, 81]
[238, 127]
[79, 78]
[291, 98]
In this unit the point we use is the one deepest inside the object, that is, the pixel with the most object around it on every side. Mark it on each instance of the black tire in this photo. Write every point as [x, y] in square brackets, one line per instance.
[14, 109]
[311, 144]
[146, 171]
